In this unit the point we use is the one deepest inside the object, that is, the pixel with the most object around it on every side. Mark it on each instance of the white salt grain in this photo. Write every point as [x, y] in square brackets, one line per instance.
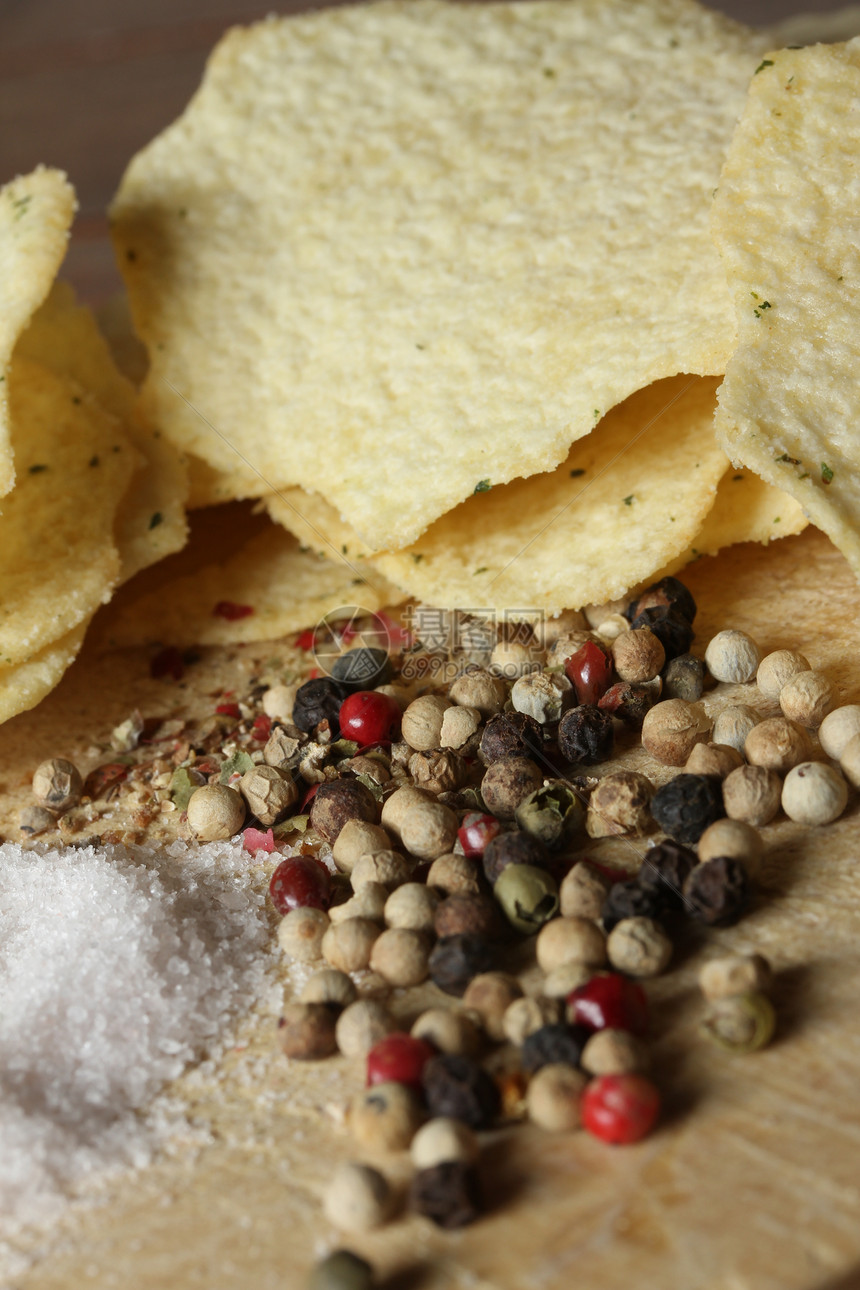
[118, 967]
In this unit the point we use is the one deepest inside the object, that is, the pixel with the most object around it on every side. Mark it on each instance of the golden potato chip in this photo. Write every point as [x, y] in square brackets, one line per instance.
[36, 212]
[151, 517]
[787, 221]
[629, 497]
[58, 561]
[392, 251]
[26, 684]
[266, 587]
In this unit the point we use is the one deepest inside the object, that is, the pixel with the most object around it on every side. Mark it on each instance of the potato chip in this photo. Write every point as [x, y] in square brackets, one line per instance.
[151, 517]
[630, 496]
[58, 561]
[392, 251]
[268, 586]
[26, 684]
[787, 221]
[36, 212]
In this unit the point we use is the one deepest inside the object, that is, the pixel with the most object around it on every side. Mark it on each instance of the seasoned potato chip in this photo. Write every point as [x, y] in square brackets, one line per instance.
[36, 212]
[268, 586]
[393, 250]
[787, 221]
[58, 561]
[26, 684]
[151, 517]
[629, 497]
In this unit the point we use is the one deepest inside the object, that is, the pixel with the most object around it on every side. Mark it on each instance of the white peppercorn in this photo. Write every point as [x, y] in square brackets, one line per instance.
[459, 724]
[421, 725]
[620, 805]
[814, 793]
[570, 940]
[554, 1096]
[57, 785]
[526, 1015]
[439, 771]
[389, 868]
[358, 838]
[732, 656]
[348, 945]
[278, 702]
[397, 806]
[215, 812]
[358, 1198]
[734, 974]
[412, 906]
[454, 875]
[639, 947]
[441, 1139]
[368, 902]
[269, 794]
[543, 696]
[448, 1029]
[511, 660]
[385, 1116]
[595, 615]
[477, 688]
[612, 627]
[614, 1052]
[849, 762]
[807, 698]
[329, 986]
[396, 691]
[776, 670]
[752, 794]
[713, 759]
[361, 1025]
[559, 983]
[306, 1031]
[733, 724]
[777, 744]
[735, 838]
[489, 994]
[837, 728]
[301, 932]
[507, 782]
[582, 892]
[672, 728]
[547, 631]
[401, 956]
[638, 655]
[428, 830]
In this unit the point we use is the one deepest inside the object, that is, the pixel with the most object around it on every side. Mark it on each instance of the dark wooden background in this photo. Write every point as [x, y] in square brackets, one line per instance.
[85, 83]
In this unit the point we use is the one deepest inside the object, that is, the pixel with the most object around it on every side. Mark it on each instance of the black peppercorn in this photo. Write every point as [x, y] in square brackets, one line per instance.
[664, 871]
[631, 900]
[363, 668]
[339, 800]
[717, 891]
[510, 734]
[585, 734]
[448, 1193]
[668, 593]
[674, 632]
[467, 915]
[511, 848]
[685, 806]
[455, 960]
[684, 678]
[628, 702]
[317, 701]
[458, 1087]
[554, 1043]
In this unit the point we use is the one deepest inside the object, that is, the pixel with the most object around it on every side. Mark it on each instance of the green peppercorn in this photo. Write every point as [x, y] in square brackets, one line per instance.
[553, 814]
[742, 1023]
[527, 895]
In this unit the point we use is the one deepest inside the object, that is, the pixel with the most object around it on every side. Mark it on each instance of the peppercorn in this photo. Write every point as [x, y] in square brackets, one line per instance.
[672, 728]
[614, 1052]
[638, 655]
[752, 794]
[528, 896]
[476, 915]
[684, 678]
[36, 819]
[512, 660]
[455, 960]
[565, 940]
[443, 1139]
[668, 593]
[358, 1198]
[732, 656]
[685, 806]
[510, 734]
[620, 1108]
[385, 1116]
[733, 838]
[639, 947]
[215, 812]
[713, 759]
[400, 956]
[368, 902]
[585, 734]
[301, 932]
[734, 974]
[396, 807]
[674, 632]
[733, 724]
[548, 630]
[807, 698]
[458, 726]
[361, 1025]
[837, 728]
[438, 771]
[632, 900]
[362, 668]
[358, 838]
[342, 1270]
[490, 994]
[447, 1030]
[338, 801]
[590, 671]
[665, 868]
[57, 785]
[348, 945]
[269, 794]
[567, 644]
[511, 848]
[448, 1193]
[306, 1031]
[619, 805]
[524, 1016]
[742, 1023]
[554, 814]
[478, 688]
[582, 892]
[456, 1086]
[331, 987]
[413, 906]
[507, 782]
[849, 762]
[384, 868]
[428, 829]
[777, 744]
[543, 696]
[553, 1043]
[316, 701]
[454, 875]
[609, 1000]
[627, 702]
[717, 891]
[814, 793]
[776, 670]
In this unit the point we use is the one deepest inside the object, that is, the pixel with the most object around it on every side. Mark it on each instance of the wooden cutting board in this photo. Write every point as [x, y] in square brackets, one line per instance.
[752, 1181]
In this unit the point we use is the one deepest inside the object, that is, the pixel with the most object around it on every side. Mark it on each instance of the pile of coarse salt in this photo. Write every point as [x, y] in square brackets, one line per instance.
[118, 967]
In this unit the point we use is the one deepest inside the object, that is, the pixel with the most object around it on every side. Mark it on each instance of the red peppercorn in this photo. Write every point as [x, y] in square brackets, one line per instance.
[306, 640]
[262, 728]
[368, 717]
[256, 840]
[589, 671]
[398, 1057]
[229, 710]
[300, 882]
[232, 612]
[609, 1000]
[475, 832]
[620, 1108]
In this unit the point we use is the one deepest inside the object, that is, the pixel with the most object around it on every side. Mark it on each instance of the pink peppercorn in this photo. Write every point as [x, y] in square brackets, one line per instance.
[398, 1058]
[620, 1108]
[609, 1000]
[475, 832]
[589, 671]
